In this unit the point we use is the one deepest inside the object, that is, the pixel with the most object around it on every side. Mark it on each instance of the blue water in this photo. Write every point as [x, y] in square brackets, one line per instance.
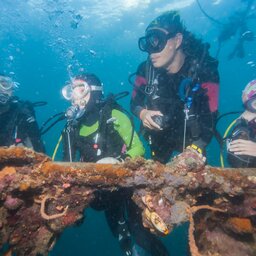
[43, 42]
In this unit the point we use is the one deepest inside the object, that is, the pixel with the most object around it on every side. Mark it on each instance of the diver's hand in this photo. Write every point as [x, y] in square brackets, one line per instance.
[243, 147]
[147, 121]
[198, 150]
[108, 160]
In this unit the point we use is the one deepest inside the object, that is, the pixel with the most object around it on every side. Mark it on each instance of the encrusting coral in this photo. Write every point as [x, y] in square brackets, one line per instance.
[217, 202]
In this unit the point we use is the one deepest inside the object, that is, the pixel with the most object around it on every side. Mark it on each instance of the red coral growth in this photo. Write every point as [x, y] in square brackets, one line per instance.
[241, 225]
[12, 203]
[69, 219]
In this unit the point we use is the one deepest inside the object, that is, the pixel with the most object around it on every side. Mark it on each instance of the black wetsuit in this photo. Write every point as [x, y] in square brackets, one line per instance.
[103, 132]
[200, 83]
[247, 131]
[19, 126]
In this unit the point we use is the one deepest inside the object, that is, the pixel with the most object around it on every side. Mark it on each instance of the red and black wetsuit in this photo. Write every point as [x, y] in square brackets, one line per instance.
[167, 98]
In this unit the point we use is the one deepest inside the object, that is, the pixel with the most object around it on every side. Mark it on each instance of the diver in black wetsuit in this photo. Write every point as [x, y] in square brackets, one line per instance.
[241, 144]
[99, 130]
[176, 90]
[17, 118]
[236, 26]
[176, 98]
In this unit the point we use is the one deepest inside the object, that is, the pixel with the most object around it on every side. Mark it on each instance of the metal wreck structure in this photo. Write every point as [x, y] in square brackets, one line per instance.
[219, 204]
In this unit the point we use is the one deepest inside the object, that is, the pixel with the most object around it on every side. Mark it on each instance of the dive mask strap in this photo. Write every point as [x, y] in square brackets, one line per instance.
[96, 88]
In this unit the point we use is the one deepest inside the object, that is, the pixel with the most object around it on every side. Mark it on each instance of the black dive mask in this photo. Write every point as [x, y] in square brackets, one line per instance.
[154, 41]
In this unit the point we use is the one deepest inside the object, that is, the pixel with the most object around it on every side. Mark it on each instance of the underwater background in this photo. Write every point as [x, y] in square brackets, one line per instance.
[45, 42]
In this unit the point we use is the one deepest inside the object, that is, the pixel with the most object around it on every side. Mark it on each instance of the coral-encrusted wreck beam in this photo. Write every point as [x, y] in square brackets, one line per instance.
[39, 198]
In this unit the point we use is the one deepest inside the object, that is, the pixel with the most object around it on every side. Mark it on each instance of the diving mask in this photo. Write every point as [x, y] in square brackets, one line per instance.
[78, 89]
[7, 85]
[154, 41]
[249, 96]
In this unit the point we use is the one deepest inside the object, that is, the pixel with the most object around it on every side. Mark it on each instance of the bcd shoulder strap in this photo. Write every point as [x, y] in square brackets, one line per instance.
[105, 122]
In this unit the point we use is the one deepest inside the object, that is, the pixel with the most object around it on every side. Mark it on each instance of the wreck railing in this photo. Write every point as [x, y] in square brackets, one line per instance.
[220, 204]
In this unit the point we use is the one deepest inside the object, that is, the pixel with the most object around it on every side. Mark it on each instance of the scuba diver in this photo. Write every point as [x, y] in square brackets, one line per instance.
[17, 118]
[241, 144]
[98, 128]
[236, 26]
[101, 131]
[176, 89]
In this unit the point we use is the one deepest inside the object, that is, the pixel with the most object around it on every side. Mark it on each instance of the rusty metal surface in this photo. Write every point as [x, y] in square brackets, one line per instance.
[217, 202]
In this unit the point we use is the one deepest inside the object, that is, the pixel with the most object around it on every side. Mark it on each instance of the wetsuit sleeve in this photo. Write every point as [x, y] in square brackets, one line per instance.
[138, 96]
[27, 129]
[207, 104]
[35, 137]
[68, 139]
[126, 131]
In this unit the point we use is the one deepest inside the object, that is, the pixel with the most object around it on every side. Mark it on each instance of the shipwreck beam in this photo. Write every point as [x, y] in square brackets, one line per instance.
[54, 194]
